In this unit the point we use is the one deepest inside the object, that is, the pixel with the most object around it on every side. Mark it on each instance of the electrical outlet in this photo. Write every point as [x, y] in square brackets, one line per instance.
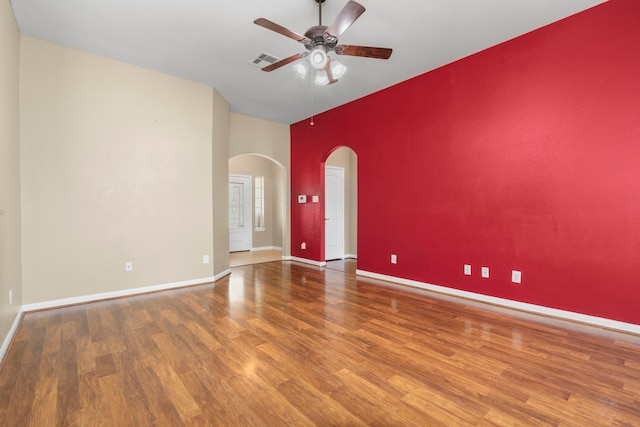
[128, 266]
[485, 272]
[467, 270]
[516, 276]
[394, 259]
[205, 259]
[303, 245]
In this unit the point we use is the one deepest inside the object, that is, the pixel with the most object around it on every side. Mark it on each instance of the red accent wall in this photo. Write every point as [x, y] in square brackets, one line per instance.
[525, 156]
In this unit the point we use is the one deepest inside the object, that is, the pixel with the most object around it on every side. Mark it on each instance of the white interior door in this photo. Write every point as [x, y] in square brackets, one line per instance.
[333, 213]
[240, 228]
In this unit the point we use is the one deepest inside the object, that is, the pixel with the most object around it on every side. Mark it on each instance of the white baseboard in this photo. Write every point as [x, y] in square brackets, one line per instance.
[221, 275]
[9, 337]
[532, 308]
[350, 256]
[117, 294]
[266, 248]
[308, 261]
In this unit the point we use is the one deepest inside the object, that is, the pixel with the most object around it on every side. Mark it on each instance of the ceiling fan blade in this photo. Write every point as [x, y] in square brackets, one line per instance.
[366, 51]
[281, 30]
[345, 18]
[285, 61]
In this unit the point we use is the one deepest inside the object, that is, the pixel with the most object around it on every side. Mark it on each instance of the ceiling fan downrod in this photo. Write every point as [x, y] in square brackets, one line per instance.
[319, 11]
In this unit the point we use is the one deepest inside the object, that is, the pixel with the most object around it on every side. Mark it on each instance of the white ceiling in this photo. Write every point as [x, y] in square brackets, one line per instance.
[214, 41]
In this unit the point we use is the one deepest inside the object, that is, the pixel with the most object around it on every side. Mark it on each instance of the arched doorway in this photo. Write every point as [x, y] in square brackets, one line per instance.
[341, 198]
[267, 205]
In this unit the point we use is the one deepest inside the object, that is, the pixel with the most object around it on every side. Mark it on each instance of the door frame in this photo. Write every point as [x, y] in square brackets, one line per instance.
[340, 214]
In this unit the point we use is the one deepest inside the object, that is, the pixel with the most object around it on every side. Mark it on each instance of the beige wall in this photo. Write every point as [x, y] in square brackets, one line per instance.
[116, 167]
[345, 158]
[220, 188]
[250, 135]
[274, 188]
[103, 163]
[280, 207]
[10, 259]
[256, 136]
[117, 164]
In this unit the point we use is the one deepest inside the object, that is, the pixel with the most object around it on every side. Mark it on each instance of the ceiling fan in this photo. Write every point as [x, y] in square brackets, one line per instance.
[319, 40]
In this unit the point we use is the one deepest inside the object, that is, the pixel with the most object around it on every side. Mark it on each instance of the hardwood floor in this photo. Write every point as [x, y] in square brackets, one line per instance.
[236, 259]
[281, 343]
[347, 265]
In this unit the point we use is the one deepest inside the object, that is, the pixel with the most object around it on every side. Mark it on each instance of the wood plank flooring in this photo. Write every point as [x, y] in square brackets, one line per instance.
[237, 259]
[283, 344]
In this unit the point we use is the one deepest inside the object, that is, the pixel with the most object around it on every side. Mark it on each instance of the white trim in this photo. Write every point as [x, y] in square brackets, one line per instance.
[350, 256]
[532, 308]
[12, 332]
[117, 294]
[266, 248]
[336, 251]
[222, 274]
[308, 261]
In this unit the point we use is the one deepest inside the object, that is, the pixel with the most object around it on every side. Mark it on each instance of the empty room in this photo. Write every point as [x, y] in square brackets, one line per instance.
[320, 212]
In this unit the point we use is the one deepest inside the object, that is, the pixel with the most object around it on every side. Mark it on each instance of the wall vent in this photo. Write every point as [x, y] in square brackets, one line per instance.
[264, 59]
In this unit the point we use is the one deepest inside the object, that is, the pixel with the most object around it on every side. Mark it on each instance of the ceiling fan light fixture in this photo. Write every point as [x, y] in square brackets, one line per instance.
[338, 69]
[301, 68]
[318, 57]
[321, 78]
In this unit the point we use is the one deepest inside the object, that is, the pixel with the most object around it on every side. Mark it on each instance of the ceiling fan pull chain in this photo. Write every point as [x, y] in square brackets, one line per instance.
[312, 100]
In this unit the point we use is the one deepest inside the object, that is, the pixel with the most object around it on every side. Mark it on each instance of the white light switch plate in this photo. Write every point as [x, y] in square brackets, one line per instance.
[467, 270]
[516, 276]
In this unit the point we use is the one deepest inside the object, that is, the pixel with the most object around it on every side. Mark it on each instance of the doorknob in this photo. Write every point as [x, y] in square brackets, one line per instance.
[326, 219]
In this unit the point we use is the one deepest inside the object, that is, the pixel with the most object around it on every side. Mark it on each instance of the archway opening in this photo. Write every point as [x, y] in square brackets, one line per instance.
[341, 209]
[266, 203]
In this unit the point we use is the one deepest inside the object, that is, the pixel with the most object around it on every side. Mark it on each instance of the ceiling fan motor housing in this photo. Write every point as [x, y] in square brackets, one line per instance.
[318, 36]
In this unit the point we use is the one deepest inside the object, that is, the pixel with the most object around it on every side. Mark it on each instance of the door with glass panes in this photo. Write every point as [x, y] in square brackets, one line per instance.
[240, 229]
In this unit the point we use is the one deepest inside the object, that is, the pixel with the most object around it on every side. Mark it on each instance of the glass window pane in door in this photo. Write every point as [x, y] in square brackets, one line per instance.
[236, 205]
